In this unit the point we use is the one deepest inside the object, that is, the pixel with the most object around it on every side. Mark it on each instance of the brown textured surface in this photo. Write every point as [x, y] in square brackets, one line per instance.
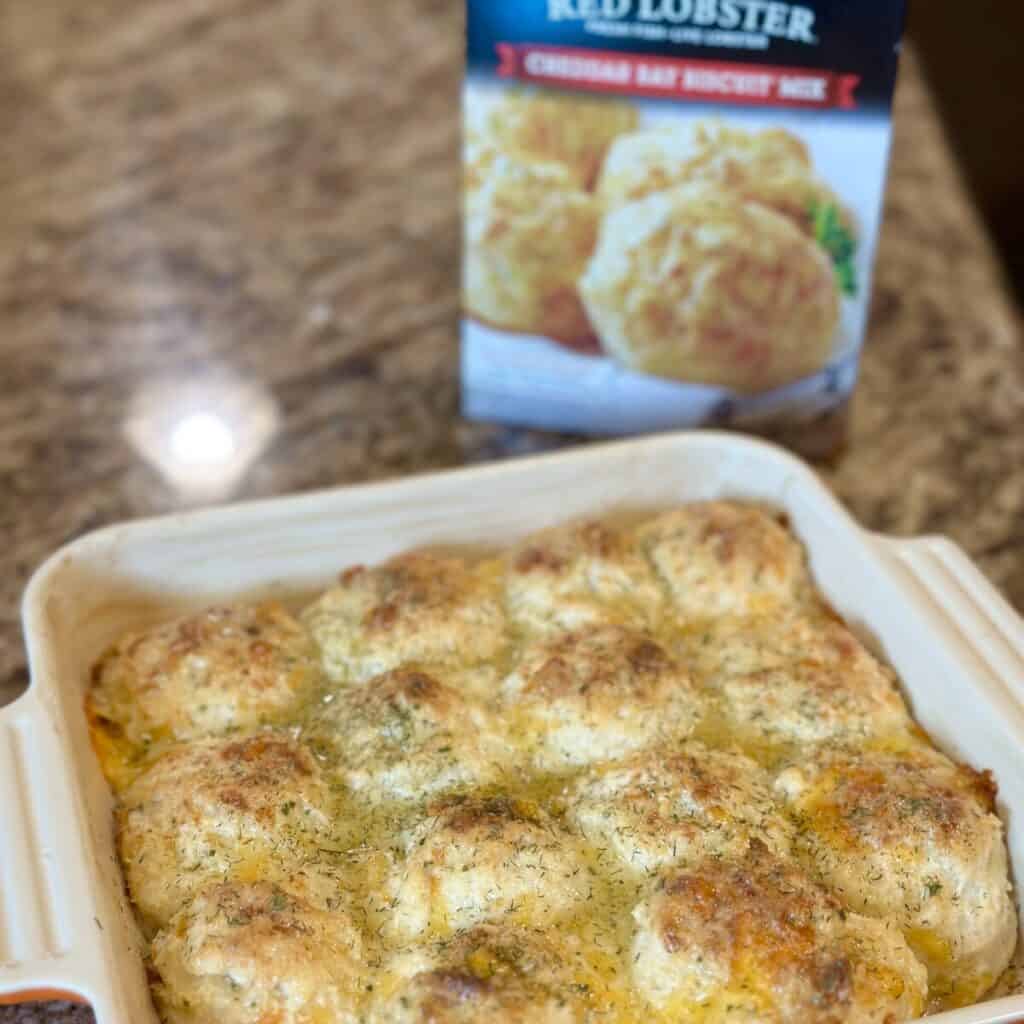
[264, 191]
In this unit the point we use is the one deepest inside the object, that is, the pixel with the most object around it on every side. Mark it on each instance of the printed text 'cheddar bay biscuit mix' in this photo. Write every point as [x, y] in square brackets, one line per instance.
[670, 211]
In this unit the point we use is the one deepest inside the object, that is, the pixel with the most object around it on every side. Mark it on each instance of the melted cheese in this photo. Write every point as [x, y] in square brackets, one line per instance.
[594, 781]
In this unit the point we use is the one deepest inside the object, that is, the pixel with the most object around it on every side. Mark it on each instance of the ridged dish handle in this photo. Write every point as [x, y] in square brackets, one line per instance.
[43, 937]
[955, 590]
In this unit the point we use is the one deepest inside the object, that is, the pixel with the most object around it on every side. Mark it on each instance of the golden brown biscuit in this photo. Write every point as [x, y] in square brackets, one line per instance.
[578, 574]
[697, 284]
[496, 973]
[479, 151]
[595, 694]
[225, 668]
[416, 608]
[731, 645]
[571, 130]
[757, 940]
[475, 859]
[248, 808]
[772, 711]
[677, 804]
[528, 234]
[912, 838]
[237, 954]
[405, 734]
[726, 558]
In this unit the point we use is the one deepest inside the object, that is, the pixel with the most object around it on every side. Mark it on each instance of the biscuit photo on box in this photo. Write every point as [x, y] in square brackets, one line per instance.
[697, 283]
[574, 131]
[744, 308]
[530, 218]
[528, 233]
[706, 254]
[772, 167]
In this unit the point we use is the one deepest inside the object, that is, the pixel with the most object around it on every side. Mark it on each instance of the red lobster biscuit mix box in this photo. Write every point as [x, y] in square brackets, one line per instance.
[671, 209]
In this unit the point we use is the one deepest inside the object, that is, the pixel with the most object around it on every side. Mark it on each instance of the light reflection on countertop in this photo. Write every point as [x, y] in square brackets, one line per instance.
[202, 435]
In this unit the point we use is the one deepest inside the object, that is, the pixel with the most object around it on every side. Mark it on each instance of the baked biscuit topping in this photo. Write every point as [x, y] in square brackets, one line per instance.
[721, 648]
[757, 940]
[238, 807]
[480, 859]
[580, 574]
[912, 837]
[805, 703]
[617, 775]
[678, 804]
[416, 608]
[226, 668]
[721, 558]
[596, 694]
[405, 734]
[501, 974]
[240, 954]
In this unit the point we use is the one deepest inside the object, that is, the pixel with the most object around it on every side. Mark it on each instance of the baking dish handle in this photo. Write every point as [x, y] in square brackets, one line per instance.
[45, 949]
[969, 604]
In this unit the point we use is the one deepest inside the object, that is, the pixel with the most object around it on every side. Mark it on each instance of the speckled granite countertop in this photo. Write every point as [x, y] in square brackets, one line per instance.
[252, 203]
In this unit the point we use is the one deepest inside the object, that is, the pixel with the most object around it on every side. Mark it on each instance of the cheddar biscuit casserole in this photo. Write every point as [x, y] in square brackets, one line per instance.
[612, 775]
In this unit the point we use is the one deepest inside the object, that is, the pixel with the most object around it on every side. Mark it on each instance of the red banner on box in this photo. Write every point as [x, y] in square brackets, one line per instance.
[676, 78]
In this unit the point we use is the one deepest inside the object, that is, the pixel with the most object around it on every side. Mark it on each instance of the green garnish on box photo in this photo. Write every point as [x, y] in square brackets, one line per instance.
[838, 241]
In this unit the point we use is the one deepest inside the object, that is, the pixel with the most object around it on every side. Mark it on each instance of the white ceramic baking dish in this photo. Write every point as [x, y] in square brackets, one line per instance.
[65, 925]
